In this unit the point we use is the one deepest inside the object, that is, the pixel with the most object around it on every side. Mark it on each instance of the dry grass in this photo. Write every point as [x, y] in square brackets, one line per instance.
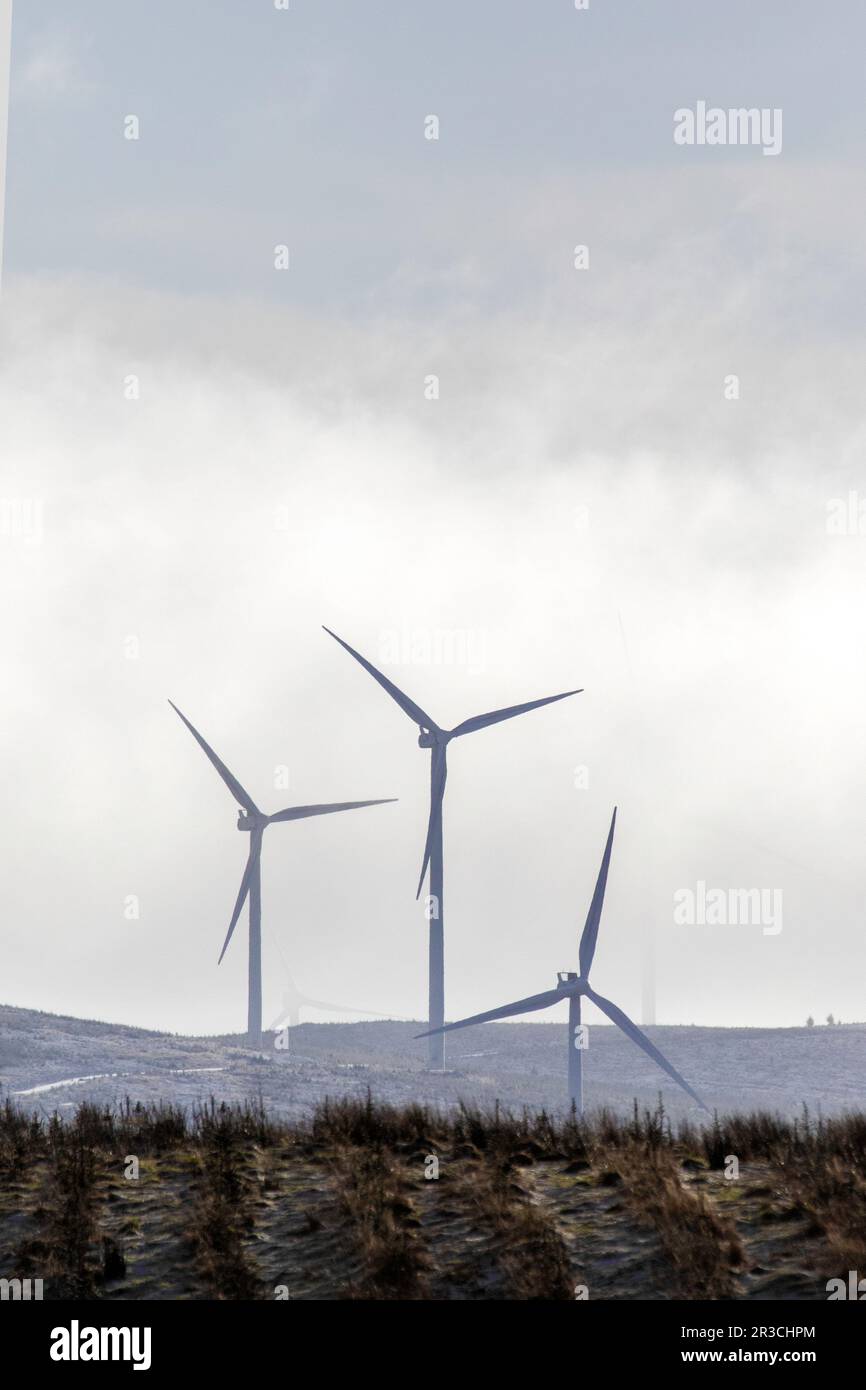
[64, 1248]
[220, 1217]
[396, 1232]
[832, 1194]
[530, 1252]
[702, 1249]
[373, 1192]
[22, 1137]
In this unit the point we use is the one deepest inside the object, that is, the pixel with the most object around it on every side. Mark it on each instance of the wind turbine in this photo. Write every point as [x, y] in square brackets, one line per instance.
[572, 987]
[437, 740]
[254, 823]
[294, 1000]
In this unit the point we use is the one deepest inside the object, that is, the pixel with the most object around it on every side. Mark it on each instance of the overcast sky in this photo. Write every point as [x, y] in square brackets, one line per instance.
[580, 506]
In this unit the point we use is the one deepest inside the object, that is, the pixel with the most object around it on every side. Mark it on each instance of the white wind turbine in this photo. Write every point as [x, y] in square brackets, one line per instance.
[254, 822]
[573, 987]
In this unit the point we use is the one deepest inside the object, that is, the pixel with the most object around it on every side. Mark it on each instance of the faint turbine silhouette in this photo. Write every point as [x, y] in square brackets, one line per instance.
[294, 1000]
[652, 898]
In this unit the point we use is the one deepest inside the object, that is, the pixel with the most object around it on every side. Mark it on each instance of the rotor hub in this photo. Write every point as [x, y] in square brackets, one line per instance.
[570, 980]
[432, 738]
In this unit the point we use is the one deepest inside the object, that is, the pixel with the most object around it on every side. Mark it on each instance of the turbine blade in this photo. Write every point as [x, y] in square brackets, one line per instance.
[593, 917]
[230, 780]
[252, 859]
[327, 809]
[631, 1029]
[415, 712]
[327, 1008]
[520, 1006]
[438, 775]
[481, 721]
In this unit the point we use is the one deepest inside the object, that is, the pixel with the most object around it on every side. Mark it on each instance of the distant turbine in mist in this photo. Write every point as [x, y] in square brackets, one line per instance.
[649, 835]
[254, 822]
[437, 740]
[294, 1000]
[571, 986]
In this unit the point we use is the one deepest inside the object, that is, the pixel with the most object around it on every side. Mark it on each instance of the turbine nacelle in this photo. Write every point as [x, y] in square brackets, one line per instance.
[433, 738]
[569, 982]
[249, 823]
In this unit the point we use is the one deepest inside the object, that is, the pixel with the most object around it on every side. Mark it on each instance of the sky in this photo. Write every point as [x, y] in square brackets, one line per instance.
[497, 475]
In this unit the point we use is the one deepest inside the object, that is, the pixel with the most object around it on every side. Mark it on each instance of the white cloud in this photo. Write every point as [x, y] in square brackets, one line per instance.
[732, 741]
[53, 68]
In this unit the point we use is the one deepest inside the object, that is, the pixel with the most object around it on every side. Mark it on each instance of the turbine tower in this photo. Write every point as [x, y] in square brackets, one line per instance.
[437, 740]
[573, 987]
[254, 823]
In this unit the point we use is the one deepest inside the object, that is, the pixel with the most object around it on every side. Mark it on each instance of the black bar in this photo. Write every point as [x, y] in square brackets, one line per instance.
[260, 1339]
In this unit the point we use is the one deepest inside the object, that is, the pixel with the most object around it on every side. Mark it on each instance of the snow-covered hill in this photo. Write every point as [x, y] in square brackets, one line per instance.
[52, 1062]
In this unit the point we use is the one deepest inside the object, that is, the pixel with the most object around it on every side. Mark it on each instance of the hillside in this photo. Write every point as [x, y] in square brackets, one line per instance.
[371, 1202]
[42, 1055]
